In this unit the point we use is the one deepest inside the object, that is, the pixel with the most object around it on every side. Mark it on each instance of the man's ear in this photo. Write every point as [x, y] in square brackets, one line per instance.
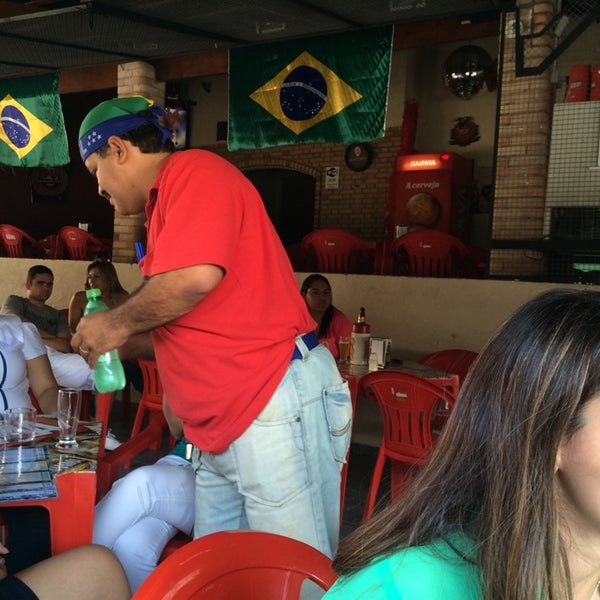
[118, 147]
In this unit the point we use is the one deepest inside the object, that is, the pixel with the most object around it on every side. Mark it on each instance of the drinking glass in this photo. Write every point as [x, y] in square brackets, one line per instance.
[344, 349]
[68, 409]
[19, 424]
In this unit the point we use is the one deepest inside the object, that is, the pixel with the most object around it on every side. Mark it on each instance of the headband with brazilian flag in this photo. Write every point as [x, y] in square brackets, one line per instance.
[32, 127]
[116, 117]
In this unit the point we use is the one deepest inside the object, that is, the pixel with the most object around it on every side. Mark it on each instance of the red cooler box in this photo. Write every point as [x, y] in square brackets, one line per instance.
[431, 190]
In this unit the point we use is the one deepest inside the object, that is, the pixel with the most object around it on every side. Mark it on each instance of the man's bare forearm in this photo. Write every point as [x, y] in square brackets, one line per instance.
[162, 299]
[158, 301]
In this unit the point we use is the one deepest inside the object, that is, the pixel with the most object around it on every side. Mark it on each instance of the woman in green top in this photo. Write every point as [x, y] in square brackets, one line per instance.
[508, 506]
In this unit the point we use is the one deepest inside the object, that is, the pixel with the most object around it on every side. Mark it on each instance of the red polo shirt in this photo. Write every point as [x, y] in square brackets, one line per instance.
[221, 363]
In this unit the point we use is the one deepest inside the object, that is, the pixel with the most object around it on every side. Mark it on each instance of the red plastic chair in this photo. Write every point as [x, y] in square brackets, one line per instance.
[152, 395]
[18, 243]
[337, 251]
[452, 360]
[52, 246]
[81, 245]
[410, 407]
[428, 253]
[149, 437]
[253, 565]
[112, 464]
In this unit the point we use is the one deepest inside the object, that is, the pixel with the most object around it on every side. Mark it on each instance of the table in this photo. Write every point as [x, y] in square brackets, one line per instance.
[72, 511]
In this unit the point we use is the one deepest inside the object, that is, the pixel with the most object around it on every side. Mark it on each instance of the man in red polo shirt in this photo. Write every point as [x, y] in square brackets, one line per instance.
[262, 402]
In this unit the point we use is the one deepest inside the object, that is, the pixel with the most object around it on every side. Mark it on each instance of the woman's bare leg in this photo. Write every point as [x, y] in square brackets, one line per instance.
[91, 572]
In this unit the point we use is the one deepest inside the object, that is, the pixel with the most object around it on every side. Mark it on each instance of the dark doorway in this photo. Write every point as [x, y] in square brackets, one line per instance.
[289, 198]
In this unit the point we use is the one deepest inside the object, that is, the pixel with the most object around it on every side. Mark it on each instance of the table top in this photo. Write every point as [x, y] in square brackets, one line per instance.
[406, 366]
[82, 458]
[27, 471]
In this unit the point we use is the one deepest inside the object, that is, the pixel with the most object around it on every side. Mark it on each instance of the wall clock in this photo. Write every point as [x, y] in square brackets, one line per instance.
[358, 157]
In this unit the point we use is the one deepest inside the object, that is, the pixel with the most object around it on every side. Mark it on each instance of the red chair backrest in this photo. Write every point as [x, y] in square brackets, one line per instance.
[17, 243]
[152, 394]
[80, 244]
[144, 438]
[452, 360]
[52, 246]
[429, 253]
[408, 406]
[336, 251]
[253, 565]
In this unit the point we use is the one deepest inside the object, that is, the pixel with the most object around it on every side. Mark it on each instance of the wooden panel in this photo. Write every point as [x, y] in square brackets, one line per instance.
[88, 79]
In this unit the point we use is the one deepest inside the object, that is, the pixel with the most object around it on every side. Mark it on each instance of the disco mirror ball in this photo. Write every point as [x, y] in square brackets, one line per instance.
[464, 70]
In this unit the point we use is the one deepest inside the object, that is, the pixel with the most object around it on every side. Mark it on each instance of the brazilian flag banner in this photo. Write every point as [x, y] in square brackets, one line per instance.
[32, 127]
[331, 88]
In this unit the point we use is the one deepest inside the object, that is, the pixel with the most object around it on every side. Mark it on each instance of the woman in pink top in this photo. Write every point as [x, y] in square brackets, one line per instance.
[331, 322]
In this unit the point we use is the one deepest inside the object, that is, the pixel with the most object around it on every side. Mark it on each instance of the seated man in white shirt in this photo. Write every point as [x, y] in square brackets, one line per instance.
[70, 370]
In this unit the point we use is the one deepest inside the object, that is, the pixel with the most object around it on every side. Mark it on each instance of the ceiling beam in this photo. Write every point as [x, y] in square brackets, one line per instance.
[215, 62]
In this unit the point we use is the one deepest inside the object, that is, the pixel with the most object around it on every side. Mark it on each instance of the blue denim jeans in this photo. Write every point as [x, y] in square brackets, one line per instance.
[282, 475]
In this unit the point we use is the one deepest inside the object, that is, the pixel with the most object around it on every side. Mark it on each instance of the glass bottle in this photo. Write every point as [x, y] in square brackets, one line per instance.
[109, 375]
[359, 340]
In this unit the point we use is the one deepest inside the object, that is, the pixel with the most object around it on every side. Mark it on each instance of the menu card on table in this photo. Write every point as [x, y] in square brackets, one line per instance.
[25, 474]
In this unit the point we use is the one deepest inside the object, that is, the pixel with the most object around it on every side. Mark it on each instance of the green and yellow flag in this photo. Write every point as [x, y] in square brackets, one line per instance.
[32, 127]
[325, 89]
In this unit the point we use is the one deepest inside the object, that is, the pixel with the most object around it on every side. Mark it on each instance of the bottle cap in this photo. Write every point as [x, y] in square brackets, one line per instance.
[93, 293]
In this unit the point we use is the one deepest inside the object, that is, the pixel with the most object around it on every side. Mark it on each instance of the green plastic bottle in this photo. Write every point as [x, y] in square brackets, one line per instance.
[109, 375]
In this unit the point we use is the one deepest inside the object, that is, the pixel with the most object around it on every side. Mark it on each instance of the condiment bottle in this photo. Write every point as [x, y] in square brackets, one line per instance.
[359, 340]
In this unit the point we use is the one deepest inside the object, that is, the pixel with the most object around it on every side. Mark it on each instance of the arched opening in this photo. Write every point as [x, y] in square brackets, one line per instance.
[289, 197]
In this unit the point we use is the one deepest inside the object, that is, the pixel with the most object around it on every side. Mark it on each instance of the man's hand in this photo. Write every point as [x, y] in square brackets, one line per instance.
[161, 299]
[97, 334]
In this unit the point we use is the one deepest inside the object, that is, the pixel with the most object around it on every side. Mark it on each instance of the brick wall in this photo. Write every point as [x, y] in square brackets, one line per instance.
[523, 143]
[358, 204]
[135, 78]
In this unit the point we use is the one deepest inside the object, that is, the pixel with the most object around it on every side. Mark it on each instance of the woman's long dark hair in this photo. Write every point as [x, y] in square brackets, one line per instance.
[492, 473]
[323, 327]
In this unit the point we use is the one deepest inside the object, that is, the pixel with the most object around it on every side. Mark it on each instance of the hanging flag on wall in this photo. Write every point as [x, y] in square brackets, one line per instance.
[324, 89]
[32, 127]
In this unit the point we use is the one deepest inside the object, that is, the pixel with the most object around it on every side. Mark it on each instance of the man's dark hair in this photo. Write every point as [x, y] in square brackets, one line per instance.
[38, 270]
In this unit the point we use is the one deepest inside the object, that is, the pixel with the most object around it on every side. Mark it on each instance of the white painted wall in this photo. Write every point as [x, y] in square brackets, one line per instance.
[69, 277]
[421, 315]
